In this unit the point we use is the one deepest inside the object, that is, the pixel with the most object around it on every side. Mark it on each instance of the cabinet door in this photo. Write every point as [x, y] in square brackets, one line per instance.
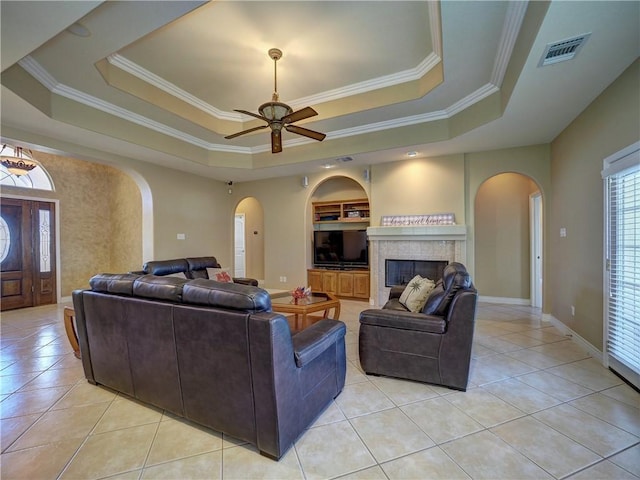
[314, 279]
[345, 284]
[361, 285]
[329, 281]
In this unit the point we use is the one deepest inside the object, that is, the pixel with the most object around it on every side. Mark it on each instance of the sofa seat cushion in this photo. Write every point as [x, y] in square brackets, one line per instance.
[232, 296]
[394, 304]
[403, 320]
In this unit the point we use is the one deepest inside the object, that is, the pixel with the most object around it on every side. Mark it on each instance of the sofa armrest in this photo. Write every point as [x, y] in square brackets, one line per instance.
[246, 281]
[403, 320]
[312, 341]
[396, 291]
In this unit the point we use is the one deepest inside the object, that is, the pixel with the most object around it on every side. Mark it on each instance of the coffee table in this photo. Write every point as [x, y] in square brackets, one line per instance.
[301, 308]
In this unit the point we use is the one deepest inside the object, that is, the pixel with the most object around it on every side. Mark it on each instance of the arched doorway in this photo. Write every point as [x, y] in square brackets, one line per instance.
[249, 239]
[508, 240]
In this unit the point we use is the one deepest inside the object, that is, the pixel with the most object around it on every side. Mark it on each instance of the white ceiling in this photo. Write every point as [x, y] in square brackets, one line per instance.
[158, 81]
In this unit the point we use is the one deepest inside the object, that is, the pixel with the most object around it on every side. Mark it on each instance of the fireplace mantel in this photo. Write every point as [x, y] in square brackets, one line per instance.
[427, 232]
[411, 242]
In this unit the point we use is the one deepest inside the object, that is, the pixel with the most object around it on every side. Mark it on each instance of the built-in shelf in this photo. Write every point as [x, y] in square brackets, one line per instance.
[348, 211]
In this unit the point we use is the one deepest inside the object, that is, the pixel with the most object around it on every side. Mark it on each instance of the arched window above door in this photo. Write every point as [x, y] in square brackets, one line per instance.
[37, 179]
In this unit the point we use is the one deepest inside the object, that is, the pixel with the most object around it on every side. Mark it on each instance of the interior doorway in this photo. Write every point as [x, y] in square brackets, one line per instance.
[27, 253]
[239, 246]
[535, 209]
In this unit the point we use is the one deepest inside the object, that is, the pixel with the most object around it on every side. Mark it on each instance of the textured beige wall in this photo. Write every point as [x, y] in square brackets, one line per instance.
[502, 236]
[605, 127]
[253, 237]
[414, 187]
[100, 218]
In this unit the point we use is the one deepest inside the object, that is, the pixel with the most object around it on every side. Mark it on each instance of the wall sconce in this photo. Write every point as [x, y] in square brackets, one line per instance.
[305, 181]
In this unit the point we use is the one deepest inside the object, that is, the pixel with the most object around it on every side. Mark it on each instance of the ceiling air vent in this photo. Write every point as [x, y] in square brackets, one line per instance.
[564, 50]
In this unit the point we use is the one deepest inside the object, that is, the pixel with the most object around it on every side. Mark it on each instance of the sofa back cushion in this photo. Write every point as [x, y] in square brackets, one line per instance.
[198, 266]
[230, 296]
[455, 277]
[118, 283]
[159, 288]
[166, 267]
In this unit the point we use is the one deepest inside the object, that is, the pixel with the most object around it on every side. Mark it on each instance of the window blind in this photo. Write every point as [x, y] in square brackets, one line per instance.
[622, 309]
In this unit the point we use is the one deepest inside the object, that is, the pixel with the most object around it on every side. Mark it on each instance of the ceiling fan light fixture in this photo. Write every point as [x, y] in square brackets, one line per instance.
[17, 164]
[275, 110]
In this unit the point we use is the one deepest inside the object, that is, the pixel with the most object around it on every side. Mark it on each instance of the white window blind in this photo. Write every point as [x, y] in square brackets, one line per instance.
[622, 275]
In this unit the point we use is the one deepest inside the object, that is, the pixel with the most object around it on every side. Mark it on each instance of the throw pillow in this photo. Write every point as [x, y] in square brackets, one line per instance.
[416, 292]
[219, 275]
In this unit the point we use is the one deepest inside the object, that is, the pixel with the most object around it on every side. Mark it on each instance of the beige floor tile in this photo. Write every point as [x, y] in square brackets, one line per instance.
[555, 386]
[31, 401]
[402, 392]
[432, 463]
[535, 359]
[546, 334]
[483, 407]
[246, 462]
[111, 453]
[332, 450]
[556, 453]
[492, 368]
[483, 455]
[521, 395]
[586, 377]
[441, 420]
[354, 374]
[33, 364]
[13, 383]
[178, 439]
[625, 394]
[372, 473]
[45, 462]
[522, 339]
[564, 351]
[390, 434]
[84, 393]
[132, 475]
[54, 378]
[208, 465]
[54, 426]
[361, 399]
[601, 437]
[126, 412]
[13, 427]
[331, 414]
[604, 471]
[629, 460]
[612, 411]
[496, 344]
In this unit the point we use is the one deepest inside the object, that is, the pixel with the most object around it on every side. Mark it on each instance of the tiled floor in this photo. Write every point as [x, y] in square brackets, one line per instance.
[538, 407]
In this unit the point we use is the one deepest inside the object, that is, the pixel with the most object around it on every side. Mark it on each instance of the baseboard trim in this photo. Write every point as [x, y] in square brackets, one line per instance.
[593, 351]
[65, 299]
[505, 300]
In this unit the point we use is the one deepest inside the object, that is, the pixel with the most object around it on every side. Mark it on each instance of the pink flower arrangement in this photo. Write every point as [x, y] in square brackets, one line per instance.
[301, 292]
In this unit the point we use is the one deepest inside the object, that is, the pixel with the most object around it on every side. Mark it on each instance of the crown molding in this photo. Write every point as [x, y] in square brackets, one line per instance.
[511, 28]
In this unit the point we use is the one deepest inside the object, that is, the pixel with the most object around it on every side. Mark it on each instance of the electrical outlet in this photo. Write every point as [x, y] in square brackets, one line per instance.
[283, 279]
[181, 236]
[563, 232]
[573, 311]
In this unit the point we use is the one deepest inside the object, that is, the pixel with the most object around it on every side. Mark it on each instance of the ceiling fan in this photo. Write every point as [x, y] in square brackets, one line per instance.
[280, 115]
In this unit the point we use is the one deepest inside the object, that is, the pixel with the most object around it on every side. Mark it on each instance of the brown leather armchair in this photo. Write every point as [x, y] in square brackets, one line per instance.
[433, 345]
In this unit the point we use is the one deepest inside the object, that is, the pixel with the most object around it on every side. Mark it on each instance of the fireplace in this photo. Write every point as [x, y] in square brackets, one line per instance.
[400, 272]
[440, 243]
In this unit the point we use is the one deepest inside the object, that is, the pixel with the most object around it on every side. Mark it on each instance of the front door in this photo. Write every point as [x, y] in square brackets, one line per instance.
[27, 253]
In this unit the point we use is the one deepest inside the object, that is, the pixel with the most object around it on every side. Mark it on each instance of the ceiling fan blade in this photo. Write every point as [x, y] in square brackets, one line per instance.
[306, 112]
[234, 135]
[276, 141]
[252, 114]
[306, 132]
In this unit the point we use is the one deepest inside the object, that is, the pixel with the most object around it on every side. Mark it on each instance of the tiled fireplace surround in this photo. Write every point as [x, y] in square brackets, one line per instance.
[446, 242]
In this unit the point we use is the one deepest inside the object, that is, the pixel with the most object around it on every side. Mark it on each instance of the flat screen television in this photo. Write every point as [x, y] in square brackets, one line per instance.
[340, 248]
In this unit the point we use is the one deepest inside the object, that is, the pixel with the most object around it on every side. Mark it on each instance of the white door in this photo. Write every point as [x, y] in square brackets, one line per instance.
[239, 265]
[536, 250]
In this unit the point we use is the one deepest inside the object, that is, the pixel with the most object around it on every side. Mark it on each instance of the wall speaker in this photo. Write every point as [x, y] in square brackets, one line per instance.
[305, 181]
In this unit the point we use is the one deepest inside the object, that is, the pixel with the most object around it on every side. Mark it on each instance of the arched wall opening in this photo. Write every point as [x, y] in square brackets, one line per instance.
[508, 239]
[249, 239]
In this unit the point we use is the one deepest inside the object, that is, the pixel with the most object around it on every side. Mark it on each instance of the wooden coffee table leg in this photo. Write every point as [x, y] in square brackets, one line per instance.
[70, 328]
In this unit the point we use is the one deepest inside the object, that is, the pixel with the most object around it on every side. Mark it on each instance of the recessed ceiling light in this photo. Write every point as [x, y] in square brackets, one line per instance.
[79, 30]
[412, 154]
[328, 165]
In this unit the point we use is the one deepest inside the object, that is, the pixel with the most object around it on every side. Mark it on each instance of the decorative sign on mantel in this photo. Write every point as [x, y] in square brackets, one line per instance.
[408, 220]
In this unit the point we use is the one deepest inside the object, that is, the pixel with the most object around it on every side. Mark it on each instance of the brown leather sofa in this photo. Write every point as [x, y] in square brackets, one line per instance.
[433, 345]
[213, 353]
[195, 267]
